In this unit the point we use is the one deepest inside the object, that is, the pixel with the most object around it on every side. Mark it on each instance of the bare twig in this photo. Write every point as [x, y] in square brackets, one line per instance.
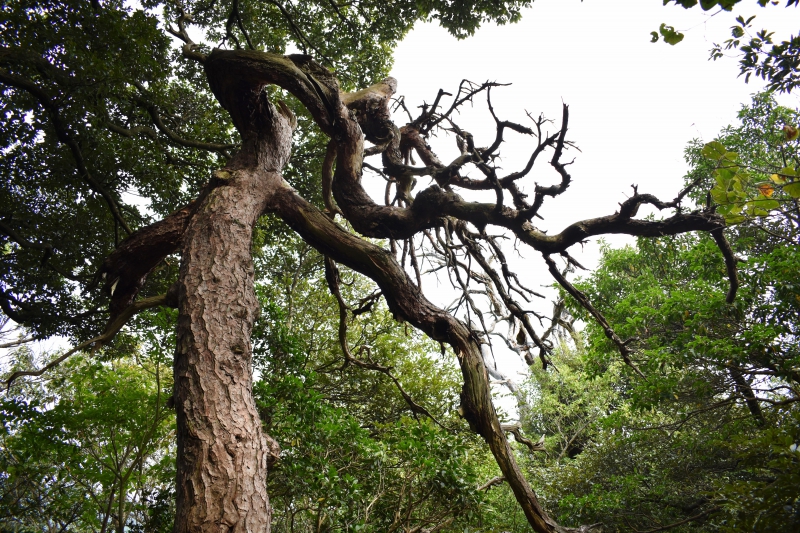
[332, 277]
[111, 330]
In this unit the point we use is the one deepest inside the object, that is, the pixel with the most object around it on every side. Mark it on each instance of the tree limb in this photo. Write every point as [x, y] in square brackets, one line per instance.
[730, 263]
[111, 330]
[581, 298]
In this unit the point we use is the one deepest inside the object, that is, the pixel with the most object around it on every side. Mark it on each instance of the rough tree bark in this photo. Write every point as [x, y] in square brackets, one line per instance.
[223, 453]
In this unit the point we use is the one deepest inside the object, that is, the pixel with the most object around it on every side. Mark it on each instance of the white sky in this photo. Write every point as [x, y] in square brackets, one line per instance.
[633, 105]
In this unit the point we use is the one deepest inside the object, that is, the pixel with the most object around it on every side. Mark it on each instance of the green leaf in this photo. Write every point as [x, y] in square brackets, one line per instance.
[719, 195]
[670, 35]
[732, 220]
[792, 189]
[735, 208]
[756, 210]
[714, 150]
[724, 175]
[766, 203]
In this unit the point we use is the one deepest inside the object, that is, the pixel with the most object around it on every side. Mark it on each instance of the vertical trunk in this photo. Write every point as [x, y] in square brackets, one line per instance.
[223, 453]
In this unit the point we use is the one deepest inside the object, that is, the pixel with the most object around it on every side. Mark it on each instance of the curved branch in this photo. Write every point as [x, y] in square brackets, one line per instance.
[110, 332]
[234, 76]
[236, 18]
[126, 269]
[317, 89]
[189, 48]
[495, 481]
[516, 430]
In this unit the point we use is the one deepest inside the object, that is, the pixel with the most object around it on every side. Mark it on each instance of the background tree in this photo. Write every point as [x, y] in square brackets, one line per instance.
[761, 55]
[90, 449]
[709, 440]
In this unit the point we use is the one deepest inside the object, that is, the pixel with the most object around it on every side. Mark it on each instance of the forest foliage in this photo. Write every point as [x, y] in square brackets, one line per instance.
[707, 440]
[710, 437]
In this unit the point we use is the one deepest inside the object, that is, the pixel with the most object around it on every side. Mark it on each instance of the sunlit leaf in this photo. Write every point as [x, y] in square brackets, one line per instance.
[734, 219]
[792, 189]
[767, 204]
[719, 195]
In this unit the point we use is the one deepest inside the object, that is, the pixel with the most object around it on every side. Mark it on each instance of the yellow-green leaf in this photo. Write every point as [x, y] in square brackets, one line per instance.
[714, 150]
[792, 189]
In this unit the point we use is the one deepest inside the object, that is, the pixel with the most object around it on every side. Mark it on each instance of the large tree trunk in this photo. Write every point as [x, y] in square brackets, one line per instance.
[223, 453]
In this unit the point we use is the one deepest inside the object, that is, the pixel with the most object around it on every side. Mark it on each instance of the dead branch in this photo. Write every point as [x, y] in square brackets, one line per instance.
[516, 430]
[622, 346]
[730, 263]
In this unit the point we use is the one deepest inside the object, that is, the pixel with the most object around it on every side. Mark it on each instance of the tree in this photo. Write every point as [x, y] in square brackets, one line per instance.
[708, 440]
[99, 105]
[354, 458]
[754, 168]
[90, 449]
[776, 62]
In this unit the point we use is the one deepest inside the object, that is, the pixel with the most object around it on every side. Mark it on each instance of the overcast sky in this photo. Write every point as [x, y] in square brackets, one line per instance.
[633, 105]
